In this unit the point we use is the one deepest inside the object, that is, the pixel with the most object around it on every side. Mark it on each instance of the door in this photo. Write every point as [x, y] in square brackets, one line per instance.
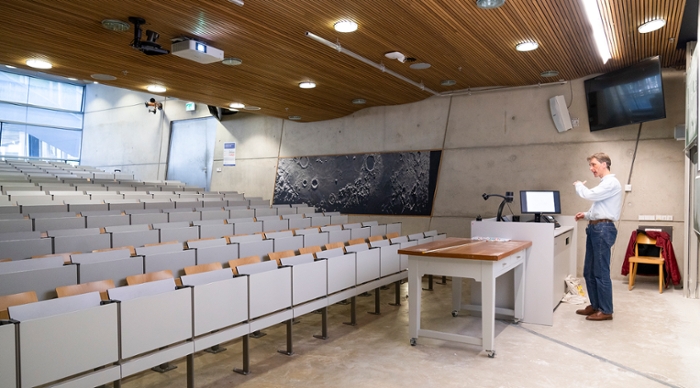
[191, 153]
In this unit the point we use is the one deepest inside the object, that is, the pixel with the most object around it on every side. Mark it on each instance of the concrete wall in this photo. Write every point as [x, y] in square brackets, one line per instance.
[120, 133]
[492, 142]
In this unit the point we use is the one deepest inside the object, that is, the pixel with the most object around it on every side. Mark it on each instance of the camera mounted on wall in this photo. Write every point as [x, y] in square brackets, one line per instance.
[153, 106]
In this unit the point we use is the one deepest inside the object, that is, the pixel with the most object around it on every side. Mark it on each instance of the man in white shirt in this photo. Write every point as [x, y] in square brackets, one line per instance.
[600, 236]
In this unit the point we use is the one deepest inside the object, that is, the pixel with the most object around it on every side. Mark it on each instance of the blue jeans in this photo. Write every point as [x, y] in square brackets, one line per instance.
[596, 268]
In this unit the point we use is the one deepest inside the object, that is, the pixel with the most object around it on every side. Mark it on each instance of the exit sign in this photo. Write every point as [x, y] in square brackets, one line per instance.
[189, 106]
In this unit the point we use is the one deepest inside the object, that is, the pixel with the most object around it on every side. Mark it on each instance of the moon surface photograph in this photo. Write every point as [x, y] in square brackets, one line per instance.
[400, 183]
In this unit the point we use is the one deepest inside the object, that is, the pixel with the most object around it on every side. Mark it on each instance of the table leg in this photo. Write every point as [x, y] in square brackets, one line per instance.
[519, 287]
[414, 289]
[488, 307]
[456, 295]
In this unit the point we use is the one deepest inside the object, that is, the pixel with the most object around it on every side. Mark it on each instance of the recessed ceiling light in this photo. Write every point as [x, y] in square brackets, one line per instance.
[156, 88]
[232, 61]
[250, 107]
[345, 26]
[104, 77]
[651, 25]
[10, 67]
[295, 118]
[38, 64]
[489, 4]
[115, 25]
[307, 85]
[419, 66]
[72, 79]
[448, 82]
[549, 73]
[359, 101]
[527, 46]
[237, 105]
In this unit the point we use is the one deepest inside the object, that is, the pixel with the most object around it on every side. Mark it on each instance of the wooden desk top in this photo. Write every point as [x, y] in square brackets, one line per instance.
[465, 248]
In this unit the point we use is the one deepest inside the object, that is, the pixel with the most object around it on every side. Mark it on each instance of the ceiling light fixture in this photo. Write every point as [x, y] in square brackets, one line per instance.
[237, 2]
[156, 88]
[307, 85]
[345, 26]
[251, 107]
[596, 22]
[232, 61]
[237, 105]
[359, 101]
[10, 67]
[115, 25]
[295, 118]
[489, 4]
[527, 46]
[39, 64]
[448, 82]
[651, 25]
[549, 73]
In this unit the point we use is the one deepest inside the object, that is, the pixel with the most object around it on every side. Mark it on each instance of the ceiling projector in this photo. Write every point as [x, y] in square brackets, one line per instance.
[196, 51]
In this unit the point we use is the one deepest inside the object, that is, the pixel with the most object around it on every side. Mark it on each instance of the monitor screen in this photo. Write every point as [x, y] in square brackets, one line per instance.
[540, 202]
[627, 96]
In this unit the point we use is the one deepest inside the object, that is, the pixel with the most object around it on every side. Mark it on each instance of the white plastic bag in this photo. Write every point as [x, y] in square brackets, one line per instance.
[574, 291]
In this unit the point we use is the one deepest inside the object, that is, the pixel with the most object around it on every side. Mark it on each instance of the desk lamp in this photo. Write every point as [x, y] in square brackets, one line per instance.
[506, 199]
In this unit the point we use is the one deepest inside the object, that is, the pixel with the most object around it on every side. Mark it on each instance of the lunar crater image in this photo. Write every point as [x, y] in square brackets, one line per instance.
[401, 183]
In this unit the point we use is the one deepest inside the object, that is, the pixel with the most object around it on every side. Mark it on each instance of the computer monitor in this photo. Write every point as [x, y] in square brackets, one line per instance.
[538, 202]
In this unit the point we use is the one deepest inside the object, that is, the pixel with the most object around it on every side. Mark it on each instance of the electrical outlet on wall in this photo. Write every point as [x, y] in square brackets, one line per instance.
[646, 218]
[574, 122]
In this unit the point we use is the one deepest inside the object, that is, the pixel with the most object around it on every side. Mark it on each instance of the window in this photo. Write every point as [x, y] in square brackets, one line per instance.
[40, 118]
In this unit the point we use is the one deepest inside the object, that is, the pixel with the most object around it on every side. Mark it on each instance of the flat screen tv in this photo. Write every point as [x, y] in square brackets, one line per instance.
[631, 95]
[539, 202]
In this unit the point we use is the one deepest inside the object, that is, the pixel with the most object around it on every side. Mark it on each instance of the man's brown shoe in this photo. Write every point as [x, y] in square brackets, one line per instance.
[599, 316]
[587, 311]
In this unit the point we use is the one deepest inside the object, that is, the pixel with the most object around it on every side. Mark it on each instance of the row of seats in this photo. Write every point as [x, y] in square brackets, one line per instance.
[19, 172]
[158, 322]
[43, 222]
[27, 244]
[45, 272]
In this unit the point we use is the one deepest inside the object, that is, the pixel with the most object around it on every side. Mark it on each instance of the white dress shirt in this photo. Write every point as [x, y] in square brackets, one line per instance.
[606, 197]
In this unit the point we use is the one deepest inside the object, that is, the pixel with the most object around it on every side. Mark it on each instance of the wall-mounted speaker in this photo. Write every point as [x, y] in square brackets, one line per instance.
[560, 114]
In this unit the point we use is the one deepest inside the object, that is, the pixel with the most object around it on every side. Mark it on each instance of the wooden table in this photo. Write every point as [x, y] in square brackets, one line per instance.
[483, 261]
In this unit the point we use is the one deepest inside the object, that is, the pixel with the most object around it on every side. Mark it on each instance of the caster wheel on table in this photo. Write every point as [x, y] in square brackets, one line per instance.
[454, 313]
[413, 342]
[491, 353]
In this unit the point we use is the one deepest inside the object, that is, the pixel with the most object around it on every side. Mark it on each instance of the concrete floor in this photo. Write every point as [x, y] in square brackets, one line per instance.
[653, 341]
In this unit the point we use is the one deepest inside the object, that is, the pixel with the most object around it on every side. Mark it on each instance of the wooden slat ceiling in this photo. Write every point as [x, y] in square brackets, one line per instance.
[472, 46]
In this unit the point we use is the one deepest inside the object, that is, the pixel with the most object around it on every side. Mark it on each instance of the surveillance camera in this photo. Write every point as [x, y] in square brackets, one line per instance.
[152, 105]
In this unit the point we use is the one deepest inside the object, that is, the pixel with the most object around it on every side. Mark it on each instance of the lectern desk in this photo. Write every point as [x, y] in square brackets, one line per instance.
[483, 261]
